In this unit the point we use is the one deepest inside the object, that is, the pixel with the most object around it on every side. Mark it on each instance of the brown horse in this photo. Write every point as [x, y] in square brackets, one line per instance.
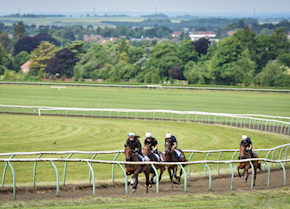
[147, 152]
[171, 157]
[136, 169]
[244, 154]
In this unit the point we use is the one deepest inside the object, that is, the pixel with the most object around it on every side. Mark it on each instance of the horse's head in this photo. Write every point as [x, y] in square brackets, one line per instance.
[146, 149]
[128, 153]
[242, 152]
[167, 147]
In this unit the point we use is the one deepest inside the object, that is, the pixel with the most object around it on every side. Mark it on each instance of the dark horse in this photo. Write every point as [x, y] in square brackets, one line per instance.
[244, 154]
[131, 156]
[147, 152]
[171, 157]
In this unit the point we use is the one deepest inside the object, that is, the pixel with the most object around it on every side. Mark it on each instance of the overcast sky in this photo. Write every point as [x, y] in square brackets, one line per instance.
[190, 6]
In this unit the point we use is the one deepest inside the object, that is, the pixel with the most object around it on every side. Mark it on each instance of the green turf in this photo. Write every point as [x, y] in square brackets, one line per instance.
[265, 199]
[187, 100]
[22, 133]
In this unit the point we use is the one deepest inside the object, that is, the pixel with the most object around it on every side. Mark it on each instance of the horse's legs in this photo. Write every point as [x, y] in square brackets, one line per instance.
[132, 181]
[175, 174]
[239, 171]
[162, 168]
[147, 180]
[247, 174]
[169, 171]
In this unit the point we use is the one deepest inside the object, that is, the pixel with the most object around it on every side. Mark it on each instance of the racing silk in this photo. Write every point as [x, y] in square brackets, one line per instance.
[171, 140]
[153, 143]
[247, 144]
[134, 144]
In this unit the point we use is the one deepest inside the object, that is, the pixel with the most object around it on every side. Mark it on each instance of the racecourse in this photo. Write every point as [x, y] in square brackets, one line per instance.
[27, 133]
[185, 100]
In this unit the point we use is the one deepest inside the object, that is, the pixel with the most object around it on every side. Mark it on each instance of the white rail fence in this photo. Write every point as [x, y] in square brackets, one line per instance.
[89, 162]
[146, 87]
[276, 124]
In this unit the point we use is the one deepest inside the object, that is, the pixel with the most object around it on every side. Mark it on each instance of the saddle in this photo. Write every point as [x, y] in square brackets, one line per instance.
[158, 157]
[177, 153]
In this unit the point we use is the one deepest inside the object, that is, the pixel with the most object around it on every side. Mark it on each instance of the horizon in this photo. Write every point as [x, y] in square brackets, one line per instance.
[148, 7]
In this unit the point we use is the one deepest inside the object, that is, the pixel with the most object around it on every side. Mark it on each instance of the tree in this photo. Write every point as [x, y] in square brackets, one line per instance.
[68, 34]
[244, 71]
[176, 72]
[27, 44]
[186, 52]
[19, 32]
[273, 75]
[4, 40]
[247, 40]
[41, 56]
[241, 24]
[221, 65]
[278, 43]
[201, 45]
[63, 63]
[196, 72]
[5, 60]
[46, 37]
[262, 51]
[20, 59]
[164, 57]
[284, 59]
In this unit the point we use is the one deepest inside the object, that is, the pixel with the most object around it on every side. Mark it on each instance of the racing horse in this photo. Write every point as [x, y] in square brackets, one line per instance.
[171, 157]
[131, 156]
[152, 157]
[244, 154]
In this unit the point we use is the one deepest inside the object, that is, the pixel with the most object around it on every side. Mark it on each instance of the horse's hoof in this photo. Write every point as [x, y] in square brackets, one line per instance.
[242, 177]
[150, 185]
[134, 190]
[153, 182]
[246, 181]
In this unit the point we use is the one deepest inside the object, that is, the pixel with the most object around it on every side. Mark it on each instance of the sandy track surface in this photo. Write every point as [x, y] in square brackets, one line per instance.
[220, 184]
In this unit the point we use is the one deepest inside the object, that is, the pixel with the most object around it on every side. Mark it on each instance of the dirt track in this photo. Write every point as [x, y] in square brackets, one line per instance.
[221, 184]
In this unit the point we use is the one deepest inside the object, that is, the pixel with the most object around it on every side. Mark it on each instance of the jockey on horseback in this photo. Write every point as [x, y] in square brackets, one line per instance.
[134, 142]
[172, 140]
[246, 141]
[152, 142]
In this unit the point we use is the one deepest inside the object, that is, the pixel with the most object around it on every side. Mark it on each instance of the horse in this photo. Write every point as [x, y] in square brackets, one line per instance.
[171, 157]
[147, 152]
[136, 169]
[244, 154]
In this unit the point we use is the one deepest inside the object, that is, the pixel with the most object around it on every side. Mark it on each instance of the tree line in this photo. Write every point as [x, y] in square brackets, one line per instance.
[245, 57]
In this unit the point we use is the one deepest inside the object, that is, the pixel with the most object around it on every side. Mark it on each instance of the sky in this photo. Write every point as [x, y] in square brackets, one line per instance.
[163, 6]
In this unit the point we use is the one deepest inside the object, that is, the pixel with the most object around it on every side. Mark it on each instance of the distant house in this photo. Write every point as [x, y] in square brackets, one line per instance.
[176, 34]
[230, 33]
[25, 67]
[202, 34]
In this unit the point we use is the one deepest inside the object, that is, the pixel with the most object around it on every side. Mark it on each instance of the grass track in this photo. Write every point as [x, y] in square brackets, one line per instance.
[277, 104]
[22, 133]
[263, 199]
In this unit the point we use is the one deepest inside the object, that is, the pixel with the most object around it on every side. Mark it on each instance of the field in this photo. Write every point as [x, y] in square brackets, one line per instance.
[185, 100]
[63, 21]
[33, 133]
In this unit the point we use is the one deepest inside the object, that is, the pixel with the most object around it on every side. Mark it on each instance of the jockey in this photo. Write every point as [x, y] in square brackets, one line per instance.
[134, 142]
[246, 141]
[172, 140]
[152, 141]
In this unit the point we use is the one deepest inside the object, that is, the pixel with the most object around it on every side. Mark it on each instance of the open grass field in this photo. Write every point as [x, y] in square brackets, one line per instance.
[263, 199]
[33, 133]
[277, 104]
[63, 21]
[21, 133]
